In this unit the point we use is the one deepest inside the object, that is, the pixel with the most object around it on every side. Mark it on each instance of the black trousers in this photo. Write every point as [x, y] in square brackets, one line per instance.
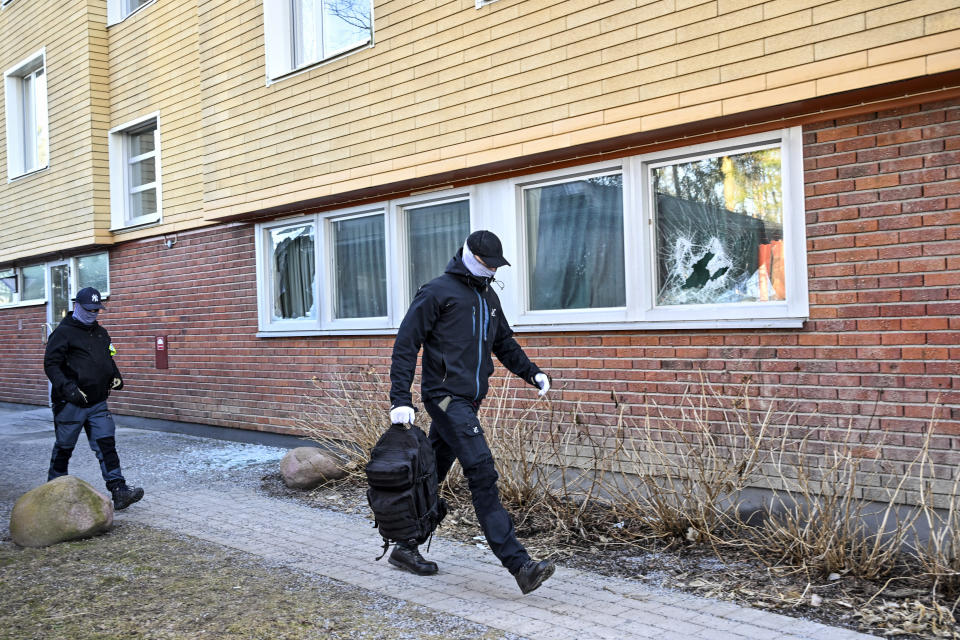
[455, 433]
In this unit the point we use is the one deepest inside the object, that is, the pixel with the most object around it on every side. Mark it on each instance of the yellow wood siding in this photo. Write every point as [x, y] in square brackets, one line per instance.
[63, 205]
[449, 86]
[445, 87]
[154, 68]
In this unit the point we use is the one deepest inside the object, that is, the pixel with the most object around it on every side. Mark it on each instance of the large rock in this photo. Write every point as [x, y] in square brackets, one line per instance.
[307, 467]
[63, 509]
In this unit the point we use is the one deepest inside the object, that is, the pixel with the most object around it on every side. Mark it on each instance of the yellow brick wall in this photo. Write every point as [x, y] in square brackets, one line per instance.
[154, 68]
[447, 86]
[61, 206]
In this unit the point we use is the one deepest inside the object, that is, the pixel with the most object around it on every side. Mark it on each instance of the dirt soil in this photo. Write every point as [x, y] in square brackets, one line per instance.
[893, 610]
[139, 583]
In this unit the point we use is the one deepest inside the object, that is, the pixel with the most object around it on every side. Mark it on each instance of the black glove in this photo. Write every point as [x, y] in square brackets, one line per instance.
[75, 395]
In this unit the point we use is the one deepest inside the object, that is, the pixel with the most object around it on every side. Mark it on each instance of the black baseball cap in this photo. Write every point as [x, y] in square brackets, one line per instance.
[486, 246]
[89, 299]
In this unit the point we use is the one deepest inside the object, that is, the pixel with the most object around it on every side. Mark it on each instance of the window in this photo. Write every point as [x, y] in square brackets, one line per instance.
[293, 267]
[300, 33]
[135, 173]
[574, 237]
[23, 285]
[26, 104]
[710, 236]
[119, 10]
[434, 232]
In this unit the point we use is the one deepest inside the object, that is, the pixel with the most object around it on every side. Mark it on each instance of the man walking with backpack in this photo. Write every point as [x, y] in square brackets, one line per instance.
[458, 320]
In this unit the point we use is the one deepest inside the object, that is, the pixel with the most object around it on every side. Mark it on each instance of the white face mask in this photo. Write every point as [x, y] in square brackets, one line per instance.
[476, 267]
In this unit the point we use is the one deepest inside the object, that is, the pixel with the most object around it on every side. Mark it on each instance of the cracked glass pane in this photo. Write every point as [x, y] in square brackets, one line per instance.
[719, 225]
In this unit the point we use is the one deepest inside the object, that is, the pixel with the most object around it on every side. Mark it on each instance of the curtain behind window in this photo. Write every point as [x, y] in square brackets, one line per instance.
[361, 271]
[575, 244]
[435, 234]
[293, 272]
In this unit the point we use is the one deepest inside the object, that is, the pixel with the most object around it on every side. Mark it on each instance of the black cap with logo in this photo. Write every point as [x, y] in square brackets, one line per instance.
[89, 299]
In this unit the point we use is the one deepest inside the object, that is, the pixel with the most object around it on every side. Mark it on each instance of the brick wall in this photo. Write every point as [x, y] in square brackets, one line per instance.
[21, 355]
[881, 348]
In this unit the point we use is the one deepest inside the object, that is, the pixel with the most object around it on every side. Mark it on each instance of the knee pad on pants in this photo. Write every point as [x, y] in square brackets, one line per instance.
[61, 459]
[108, 449]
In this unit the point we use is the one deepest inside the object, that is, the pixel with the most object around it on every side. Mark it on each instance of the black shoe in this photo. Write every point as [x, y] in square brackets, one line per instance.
[406, 556]
[124, 496]
[532, 574]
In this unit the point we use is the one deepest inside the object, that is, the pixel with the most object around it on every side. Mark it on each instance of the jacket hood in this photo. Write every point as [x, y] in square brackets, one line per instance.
[456, 268]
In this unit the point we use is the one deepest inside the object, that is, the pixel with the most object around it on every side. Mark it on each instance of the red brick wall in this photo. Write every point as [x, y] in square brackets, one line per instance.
[21, 355]
[881, 347]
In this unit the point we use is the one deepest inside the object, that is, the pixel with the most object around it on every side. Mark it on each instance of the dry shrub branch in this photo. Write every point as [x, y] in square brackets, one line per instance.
[692, 475]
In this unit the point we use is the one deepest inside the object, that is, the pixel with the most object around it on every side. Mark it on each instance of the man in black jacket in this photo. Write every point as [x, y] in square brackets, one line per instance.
[458, 320]
[79, 362]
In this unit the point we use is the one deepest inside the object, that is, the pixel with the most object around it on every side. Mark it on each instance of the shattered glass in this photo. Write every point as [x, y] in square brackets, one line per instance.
[719, 226]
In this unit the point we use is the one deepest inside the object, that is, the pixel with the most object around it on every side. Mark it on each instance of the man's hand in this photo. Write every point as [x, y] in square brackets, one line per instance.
[543, 381]
[75, 395]
[402, 415]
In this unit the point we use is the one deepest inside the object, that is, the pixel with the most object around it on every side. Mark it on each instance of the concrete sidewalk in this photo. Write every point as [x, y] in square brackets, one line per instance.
[191, 490]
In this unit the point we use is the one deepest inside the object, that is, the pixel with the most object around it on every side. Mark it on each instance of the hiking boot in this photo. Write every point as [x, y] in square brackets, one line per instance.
[406, 556]
[532, 574]
[124, 496]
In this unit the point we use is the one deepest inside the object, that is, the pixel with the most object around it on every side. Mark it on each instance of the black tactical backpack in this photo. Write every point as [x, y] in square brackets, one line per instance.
[403, 492]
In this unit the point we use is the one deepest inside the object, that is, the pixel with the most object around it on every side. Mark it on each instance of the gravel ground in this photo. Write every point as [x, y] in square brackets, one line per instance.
[136, 582]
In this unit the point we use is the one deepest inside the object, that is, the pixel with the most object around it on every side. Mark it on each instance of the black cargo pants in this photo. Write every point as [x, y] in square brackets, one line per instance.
[455, 433]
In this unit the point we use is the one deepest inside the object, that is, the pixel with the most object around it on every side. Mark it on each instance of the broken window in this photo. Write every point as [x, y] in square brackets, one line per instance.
[719, 229]
[293, 272]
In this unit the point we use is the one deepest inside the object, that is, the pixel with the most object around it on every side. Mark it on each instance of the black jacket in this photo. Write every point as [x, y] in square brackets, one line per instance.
[78, 357]
[458, 320]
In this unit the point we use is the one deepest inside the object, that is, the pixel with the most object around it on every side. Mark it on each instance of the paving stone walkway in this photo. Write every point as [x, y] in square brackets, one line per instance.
[572, 605]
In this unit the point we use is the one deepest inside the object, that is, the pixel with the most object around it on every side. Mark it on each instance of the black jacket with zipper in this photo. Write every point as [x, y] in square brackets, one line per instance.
[458, 321]
[78, 357]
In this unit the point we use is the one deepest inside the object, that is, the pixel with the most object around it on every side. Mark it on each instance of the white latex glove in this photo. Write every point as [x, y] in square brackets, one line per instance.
[80, 391]
[402, 415]
[543, 382]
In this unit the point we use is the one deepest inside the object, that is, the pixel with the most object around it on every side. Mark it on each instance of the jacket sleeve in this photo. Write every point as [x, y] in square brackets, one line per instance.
[53, 358]
[416, 326]
[511, 354]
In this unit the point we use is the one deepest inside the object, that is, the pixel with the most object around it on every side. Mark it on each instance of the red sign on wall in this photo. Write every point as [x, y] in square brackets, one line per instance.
[161, 351]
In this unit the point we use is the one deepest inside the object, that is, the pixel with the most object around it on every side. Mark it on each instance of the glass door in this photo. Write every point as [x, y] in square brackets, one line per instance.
[58, 298]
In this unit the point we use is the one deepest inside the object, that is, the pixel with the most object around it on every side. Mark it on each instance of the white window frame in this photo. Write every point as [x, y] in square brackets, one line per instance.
[498, 206]
[74, 269]
[279, 42]
[795, 262]
[18, 299]
[265, 293]
[118, 10]
[15, 117]
[120, 188]
[328, 273]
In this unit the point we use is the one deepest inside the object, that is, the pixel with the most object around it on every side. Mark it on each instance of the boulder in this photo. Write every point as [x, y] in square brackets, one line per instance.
[63, 509]
[307, 467]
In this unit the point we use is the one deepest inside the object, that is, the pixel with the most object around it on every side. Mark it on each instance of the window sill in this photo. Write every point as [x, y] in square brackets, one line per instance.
[136, 226]
[25, 303]
[306, 68]
[27, 174]
[131, 14]
[695, 325]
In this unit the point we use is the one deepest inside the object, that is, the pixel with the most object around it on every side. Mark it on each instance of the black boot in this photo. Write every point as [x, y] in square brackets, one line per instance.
[406, 556]
[124, 496]
[532, 574]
